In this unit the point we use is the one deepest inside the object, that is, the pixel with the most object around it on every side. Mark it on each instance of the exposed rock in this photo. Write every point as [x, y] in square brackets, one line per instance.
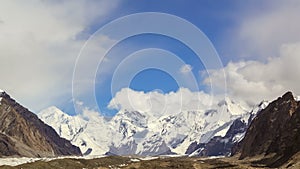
[274, 133]
[7, 146]
[22, 133]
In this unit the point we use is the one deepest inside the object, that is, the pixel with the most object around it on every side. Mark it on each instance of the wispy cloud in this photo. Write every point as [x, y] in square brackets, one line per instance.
[186, 68]
[39, 45]
[262, 33]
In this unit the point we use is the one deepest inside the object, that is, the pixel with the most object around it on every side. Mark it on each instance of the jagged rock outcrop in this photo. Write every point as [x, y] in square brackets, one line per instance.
[274, 133]
[22, 133]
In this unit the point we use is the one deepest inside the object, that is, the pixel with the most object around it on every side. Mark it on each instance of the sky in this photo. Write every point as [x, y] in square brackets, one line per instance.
[71, 54]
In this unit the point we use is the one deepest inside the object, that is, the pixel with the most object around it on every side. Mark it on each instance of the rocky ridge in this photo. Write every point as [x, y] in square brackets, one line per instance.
[274, 134]
[22, 133]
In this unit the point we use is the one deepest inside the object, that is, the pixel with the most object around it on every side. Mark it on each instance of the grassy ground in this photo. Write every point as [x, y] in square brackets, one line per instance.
[115, 162]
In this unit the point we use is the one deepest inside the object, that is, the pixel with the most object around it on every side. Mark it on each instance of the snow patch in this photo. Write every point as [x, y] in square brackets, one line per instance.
[238, 137]
[23, 160]
[17, 161]
[1, 91]
[134, 160]
[213, 157]
[148, 158]
[223, 132]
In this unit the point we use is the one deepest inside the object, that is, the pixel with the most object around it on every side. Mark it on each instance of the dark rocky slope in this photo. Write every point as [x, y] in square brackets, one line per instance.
[22, 133]
[274, 134]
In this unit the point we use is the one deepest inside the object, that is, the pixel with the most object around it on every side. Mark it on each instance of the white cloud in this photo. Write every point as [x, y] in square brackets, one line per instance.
[262, 33]
[186, 68]
[271, 38]
[39, 45]
[91, 115]
[159, 103]
[253, 81]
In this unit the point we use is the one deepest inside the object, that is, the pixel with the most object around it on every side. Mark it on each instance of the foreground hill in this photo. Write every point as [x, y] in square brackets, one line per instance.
[22, 133]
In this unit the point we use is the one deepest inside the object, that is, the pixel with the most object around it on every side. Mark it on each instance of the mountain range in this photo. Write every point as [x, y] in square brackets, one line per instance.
[268, 135]
[209, 132]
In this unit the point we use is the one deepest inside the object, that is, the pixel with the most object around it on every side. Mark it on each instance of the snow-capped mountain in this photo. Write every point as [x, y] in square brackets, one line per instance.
[65, 125]
[222, 142]
[86, 134]
[133, 132]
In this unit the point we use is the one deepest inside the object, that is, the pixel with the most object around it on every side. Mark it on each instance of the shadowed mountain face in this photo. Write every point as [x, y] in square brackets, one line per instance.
[22, 133]
[274, 133]
[218, 145]
[223, 145]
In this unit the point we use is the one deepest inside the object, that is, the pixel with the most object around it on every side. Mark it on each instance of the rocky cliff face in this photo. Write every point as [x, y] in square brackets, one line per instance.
[274, 133]
[22, 133]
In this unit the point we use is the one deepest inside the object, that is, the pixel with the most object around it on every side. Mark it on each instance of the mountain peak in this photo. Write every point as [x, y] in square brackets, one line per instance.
[51, 110]
[288, 96]
[232, 107]
[3, 93]
[226, 101]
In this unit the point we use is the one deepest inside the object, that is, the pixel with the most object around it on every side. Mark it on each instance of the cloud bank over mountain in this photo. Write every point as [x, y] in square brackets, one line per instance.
[253, 80]
[160, 103]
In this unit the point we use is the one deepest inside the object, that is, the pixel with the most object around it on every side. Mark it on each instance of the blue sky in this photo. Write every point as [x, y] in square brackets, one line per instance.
[149, 79]
[41, 40]
[215, 19]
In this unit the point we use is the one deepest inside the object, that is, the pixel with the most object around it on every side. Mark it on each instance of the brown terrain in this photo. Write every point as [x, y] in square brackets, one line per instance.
[118, 162]
[22, 133]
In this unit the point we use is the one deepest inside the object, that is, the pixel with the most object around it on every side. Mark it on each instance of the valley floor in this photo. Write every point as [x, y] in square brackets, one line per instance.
[117, 162]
